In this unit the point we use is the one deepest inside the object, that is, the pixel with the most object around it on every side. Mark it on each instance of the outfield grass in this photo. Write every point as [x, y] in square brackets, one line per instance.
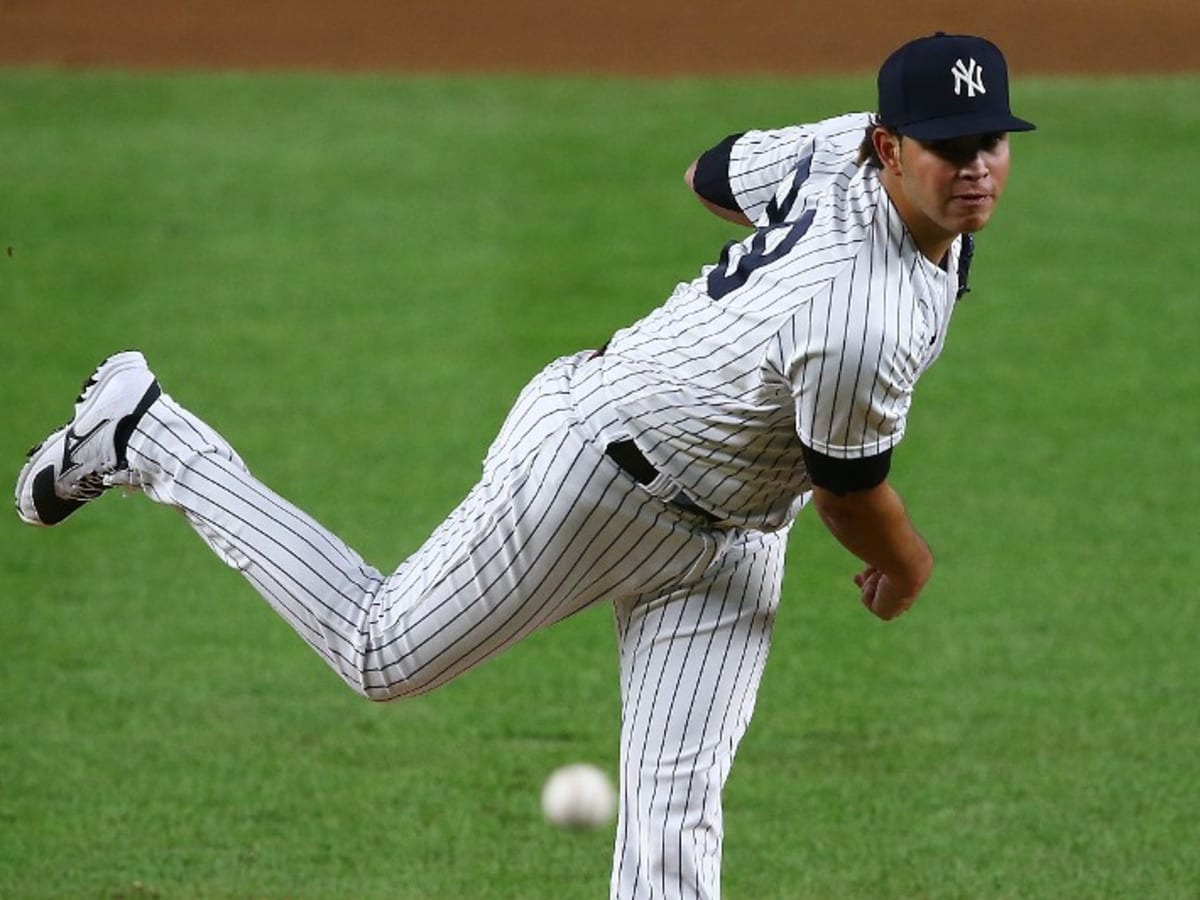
[352, 277]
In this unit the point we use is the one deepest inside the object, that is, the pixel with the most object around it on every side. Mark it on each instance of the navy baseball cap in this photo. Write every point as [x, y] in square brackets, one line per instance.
[946, 86]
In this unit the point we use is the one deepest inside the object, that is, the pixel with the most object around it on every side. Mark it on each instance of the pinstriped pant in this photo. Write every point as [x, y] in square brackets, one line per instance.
[552, 527]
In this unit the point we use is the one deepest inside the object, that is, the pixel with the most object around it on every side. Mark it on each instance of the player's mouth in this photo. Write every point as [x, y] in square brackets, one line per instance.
[972, 200]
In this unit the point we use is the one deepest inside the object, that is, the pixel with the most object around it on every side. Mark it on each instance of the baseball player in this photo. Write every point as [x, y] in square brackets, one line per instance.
[660, 473]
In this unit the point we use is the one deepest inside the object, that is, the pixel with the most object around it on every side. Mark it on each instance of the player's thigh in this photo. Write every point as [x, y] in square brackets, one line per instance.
[553, 526]
[564, 522]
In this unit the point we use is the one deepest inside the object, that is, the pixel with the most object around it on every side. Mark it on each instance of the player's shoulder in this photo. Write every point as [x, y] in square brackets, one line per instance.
[851, 124]
[845, 130]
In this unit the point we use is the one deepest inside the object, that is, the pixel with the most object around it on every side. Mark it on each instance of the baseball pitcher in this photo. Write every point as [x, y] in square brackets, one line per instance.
[660, 473]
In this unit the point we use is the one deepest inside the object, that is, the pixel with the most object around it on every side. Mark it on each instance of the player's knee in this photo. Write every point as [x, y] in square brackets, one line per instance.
[379, 690]
[377, 694]
[388, 693]
[368, 684]
[383, 686]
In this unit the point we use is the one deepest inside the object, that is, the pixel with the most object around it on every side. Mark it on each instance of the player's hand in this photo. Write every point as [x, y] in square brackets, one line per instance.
[881, 595]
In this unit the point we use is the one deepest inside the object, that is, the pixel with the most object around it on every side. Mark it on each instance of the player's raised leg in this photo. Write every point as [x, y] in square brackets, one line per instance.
[553, 526]
[691, 663]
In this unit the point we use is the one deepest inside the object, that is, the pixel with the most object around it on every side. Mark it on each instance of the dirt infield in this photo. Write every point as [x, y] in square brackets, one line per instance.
[646, 37]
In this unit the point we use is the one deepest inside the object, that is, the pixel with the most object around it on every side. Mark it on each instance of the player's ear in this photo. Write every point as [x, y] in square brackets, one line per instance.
[887, 149]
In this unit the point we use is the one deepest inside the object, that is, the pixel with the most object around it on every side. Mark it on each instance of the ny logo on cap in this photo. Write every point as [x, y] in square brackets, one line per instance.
[969, 75]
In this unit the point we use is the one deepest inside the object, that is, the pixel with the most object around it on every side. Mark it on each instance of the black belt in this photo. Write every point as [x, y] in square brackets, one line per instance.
[626, 455]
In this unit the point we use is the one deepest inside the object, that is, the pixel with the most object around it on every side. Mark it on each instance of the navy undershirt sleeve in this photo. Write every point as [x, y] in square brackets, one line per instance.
[711, 178]
[843, 476]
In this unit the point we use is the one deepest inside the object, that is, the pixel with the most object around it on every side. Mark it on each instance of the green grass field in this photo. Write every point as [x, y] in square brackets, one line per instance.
[352, 277]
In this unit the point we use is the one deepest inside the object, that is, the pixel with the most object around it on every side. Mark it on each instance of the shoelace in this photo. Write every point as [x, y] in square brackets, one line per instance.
[90, 487]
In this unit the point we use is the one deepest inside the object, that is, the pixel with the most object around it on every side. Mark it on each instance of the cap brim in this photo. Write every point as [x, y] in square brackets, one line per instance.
[961, 126]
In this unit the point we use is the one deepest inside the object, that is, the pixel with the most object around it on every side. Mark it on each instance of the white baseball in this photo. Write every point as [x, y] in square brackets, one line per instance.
[579, 796]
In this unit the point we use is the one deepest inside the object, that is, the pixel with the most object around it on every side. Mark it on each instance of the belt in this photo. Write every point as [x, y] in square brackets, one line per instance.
[631, 460]
[626, 455]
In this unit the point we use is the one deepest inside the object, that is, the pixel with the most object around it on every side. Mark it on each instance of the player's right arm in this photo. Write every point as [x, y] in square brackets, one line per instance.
[872, 523]
[853, 363]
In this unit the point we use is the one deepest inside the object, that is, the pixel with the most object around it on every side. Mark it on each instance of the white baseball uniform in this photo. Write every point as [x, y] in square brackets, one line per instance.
[814, 329]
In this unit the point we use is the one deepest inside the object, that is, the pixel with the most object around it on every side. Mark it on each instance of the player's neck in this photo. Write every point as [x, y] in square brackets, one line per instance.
[931, 239]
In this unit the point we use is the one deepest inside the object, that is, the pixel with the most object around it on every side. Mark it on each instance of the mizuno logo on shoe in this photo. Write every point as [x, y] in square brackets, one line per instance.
[71, 444]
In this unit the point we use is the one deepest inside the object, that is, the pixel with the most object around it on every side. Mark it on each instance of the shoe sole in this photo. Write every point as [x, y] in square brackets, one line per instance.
[49, 507]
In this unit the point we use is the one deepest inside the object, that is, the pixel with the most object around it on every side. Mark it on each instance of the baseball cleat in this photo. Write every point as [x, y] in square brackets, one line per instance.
[84, 458]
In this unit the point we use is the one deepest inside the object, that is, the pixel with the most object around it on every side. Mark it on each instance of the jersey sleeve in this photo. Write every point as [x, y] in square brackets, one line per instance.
[711, 177]
[845, 476]
[852, 375]
[761, 161]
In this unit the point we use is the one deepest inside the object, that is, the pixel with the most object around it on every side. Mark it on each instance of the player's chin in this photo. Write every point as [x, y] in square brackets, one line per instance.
[970, 224]
[971, 217]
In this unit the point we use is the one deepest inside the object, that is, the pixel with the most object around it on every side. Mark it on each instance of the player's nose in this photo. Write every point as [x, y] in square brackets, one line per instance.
[974, 167]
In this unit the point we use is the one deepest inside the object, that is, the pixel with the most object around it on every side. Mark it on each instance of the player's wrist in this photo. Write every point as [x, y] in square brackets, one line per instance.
[911, 578]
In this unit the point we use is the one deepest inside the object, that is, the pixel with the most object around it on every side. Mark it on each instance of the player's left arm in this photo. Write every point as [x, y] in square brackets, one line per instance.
[739, 177]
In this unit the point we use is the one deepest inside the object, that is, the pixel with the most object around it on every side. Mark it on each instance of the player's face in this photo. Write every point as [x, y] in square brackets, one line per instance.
[960, 180]
[949, 187]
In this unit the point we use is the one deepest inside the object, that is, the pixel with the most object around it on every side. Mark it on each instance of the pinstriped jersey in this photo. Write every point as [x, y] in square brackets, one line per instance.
[814, 329]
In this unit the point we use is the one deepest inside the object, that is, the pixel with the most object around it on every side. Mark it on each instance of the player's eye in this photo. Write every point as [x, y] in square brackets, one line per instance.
[956, 150]
[961, 151]
[991, 141]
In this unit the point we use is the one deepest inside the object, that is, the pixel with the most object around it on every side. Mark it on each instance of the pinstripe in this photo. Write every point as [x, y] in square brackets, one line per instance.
[683, 641]
[266, 526]
[281, 566]
[661, 639]
[478, 541]
[705, 654]
[534, 604]
[760, 639]
[690, 664]
[195, 437]
[265, 522]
